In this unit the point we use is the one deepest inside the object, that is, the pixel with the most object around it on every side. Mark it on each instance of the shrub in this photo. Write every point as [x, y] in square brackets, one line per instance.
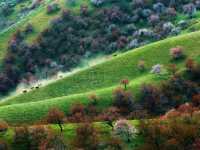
[37, 135]
[171, 134]
[93, 98]
[177, 52]
[153, 19]
[91, 112]
[150, 97]
[186, 109]
[125, 131]
[6, 10]
[21, 138]
[138, 114]
[53, 7]
[141, 65]
[3, 126]
[172, 68]
[109, 115]
[189, 9]
[56, 116]
[193, 69]
[84, 9]
[173, 113]
[53, 142]
[113, 143]
[122, 42]
[123, 100]
[29, 28]
[86, 137]
[156, 69]
[77, 113]
[3, 145]
[196, 100]
[190, 63]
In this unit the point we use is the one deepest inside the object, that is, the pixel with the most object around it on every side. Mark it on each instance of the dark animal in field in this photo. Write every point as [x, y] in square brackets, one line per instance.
[24, 91]
[37, 87]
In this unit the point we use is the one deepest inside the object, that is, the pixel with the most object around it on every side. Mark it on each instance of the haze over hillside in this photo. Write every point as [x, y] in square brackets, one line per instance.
[99, 74]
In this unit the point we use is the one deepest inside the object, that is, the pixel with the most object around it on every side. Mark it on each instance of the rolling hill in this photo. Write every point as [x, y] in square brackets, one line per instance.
[100, 79]
[84, 107]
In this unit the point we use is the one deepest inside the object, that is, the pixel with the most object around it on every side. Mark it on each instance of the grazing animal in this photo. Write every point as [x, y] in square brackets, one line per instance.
[24, 91]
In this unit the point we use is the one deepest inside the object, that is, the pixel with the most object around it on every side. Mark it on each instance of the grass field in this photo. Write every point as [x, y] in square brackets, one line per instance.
[101, 79]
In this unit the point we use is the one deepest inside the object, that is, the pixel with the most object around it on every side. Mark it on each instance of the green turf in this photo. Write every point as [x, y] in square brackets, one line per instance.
[101, 79]
[32, 111]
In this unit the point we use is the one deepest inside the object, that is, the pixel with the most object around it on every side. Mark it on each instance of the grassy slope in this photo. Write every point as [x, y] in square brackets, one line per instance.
[32, 111]
[102, 78]
[111, 72]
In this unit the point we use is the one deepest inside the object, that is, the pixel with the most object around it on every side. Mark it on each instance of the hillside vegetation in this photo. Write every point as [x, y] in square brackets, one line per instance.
[86, 31]
[38, 18]
[89, 74]
[36, 103]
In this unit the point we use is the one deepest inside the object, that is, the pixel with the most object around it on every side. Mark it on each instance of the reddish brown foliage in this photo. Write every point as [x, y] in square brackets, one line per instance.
[150, 96]
[114, 144]
[77, 113]
[170, 134]
[21, 137]
[172, 68]
[176, 52]
[189, 64]
[3, 126]
[109, 116]
[37, 135]
[196, 100]
[94, 98]
[55, 116]
[123, 100]
[53, 142]
[86, 137]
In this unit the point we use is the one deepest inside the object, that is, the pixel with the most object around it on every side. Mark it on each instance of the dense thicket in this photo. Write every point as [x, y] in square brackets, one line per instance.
[123, 25]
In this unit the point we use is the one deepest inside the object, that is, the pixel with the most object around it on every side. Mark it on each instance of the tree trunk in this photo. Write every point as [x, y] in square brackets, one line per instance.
[61, 128]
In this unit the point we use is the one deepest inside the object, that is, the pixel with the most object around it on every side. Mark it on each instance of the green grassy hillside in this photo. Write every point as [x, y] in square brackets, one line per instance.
[111, 72]
[101, 79]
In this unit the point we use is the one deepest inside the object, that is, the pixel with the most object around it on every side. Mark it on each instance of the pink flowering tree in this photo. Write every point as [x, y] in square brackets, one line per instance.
[124, 130]
[176, 52]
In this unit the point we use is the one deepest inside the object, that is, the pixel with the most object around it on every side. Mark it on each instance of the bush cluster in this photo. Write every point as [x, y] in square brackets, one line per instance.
[70, 37]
